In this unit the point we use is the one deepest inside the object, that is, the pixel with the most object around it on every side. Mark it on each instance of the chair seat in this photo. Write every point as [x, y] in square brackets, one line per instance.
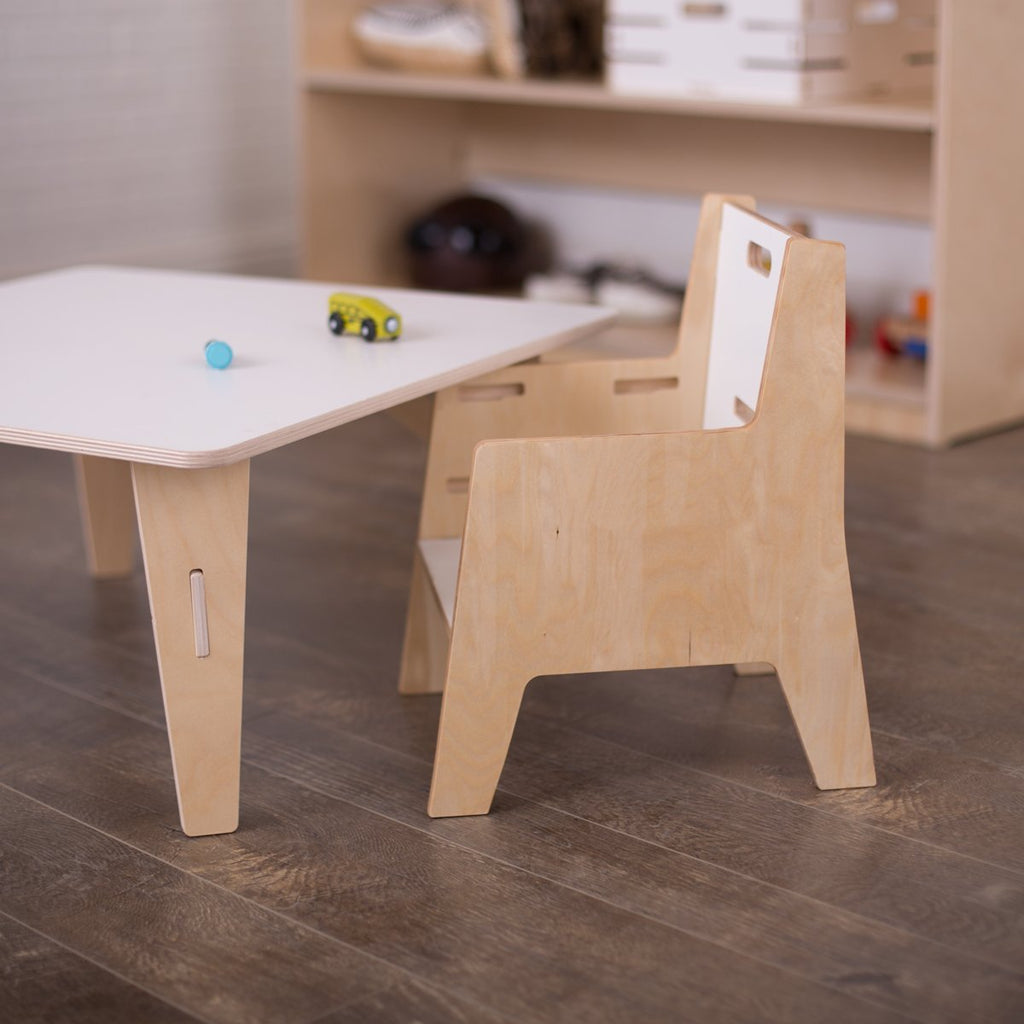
[441, 558]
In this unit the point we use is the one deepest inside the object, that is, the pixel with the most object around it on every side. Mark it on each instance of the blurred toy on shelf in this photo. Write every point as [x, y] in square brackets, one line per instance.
[471, 243]
[468, 38]
[906, 335]
[563, 38]
[504, 21]
[638, 296]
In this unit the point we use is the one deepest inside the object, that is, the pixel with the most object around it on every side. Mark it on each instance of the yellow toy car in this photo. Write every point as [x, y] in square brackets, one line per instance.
[370, 318]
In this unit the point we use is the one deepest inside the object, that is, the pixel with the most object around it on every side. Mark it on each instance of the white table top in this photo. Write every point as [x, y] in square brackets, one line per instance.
[110, 361]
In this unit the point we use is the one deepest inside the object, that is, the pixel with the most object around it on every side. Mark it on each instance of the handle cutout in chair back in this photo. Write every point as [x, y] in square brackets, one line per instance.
[751, 252]
[760, 259]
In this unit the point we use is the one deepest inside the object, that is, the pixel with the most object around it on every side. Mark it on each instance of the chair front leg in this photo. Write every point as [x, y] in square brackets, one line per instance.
[478, 717]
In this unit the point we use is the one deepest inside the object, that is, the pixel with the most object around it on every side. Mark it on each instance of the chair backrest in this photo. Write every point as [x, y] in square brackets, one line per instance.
[748, 271]
[712, 380]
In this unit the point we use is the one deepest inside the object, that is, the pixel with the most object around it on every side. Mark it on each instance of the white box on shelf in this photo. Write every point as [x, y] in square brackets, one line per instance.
[770, 50]
[917, 45]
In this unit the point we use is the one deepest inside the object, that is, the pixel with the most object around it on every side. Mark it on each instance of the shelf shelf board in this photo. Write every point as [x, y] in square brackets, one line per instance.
[886, 397]
[872, 375]
[883, 114]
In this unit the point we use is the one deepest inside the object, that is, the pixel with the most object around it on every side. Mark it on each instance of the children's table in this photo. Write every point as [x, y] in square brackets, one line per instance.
[108, 364]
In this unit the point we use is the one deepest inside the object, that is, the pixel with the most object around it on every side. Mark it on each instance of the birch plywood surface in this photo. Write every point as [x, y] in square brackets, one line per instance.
[109, 361]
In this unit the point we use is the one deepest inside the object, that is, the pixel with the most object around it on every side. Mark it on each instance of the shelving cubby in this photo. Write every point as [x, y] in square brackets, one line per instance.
[380, 146]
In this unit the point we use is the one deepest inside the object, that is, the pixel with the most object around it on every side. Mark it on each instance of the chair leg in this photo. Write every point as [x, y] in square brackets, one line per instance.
[823, 681]
[478, 716]
[425, 650]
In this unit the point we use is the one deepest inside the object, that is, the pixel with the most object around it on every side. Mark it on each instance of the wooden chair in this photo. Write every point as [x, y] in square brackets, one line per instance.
[714, 537]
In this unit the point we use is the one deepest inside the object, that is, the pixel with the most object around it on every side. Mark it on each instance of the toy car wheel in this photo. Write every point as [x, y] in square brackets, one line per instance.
[368, 329]
[336, 323]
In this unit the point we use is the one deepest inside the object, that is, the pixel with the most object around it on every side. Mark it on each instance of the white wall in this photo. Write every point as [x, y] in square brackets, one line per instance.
[155, 132]
[162, 132]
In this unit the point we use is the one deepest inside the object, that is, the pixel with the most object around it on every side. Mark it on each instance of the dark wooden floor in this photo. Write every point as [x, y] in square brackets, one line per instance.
[657, 851]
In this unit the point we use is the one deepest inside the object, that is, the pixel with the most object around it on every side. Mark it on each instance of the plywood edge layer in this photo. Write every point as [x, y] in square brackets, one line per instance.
[204, 459]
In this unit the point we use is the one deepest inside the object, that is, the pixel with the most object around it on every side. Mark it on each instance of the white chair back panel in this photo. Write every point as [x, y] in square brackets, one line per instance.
[750, 257]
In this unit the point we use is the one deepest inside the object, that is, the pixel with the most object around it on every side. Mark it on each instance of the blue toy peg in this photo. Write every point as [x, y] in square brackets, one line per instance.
[218, 354]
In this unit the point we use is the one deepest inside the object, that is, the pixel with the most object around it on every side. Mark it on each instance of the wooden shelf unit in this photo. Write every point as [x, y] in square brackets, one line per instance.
[379, 147]
[912, 116]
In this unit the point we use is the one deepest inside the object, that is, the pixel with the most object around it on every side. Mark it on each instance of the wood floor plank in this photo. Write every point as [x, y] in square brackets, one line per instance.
[929, 891]
[41, 982]
[899, 899]
[682, 804]
[966, 805]
[195, 945]
[412, 1003]
[465, 923]
[91, 665]
[961, 900]
[817, 926]
[882, 965]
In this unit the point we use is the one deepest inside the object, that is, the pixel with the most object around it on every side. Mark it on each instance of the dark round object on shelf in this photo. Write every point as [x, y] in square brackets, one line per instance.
[469, 243]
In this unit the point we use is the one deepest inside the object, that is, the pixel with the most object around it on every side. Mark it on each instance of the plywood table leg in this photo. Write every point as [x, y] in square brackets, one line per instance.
[108, 514]
[194, 527]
